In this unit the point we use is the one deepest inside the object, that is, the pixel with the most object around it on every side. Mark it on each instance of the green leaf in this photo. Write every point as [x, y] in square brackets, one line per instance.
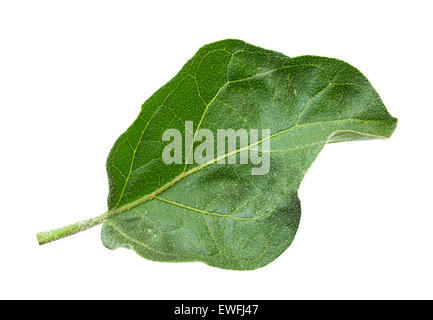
[221, 214]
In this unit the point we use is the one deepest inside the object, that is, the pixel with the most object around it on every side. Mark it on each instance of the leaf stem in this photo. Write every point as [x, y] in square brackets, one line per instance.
[56, 234]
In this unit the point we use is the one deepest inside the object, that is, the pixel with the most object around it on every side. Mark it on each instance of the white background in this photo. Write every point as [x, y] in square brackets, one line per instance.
[72, 78]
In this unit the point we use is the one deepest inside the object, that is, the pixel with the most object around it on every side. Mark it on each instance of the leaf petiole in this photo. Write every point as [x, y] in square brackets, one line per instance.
[56, 234]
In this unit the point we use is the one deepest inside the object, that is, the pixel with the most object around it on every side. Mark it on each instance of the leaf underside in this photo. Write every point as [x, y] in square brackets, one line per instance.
[221, 214]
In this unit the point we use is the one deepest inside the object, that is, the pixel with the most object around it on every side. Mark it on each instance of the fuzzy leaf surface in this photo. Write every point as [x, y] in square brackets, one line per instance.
[221, 214]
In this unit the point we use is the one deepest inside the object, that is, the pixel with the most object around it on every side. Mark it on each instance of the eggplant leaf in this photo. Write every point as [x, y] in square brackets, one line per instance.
[221, 214]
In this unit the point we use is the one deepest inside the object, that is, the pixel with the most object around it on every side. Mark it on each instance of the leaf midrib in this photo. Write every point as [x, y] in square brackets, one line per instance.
[152, 195]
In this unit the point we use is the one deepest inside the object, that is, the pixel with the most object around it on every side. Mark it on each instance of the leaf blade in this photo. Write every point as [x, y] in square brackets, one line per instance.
[310, 99]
